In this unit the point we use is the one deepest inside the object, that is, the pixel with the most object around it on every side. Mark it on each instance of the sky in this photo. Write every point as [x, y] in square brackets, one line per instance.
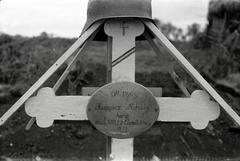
[66, 18]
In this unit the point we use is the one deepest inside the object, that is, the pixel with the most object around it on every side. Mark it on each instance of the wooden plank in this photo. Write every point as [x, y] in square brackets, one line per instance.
[123, 33]
[198, 109]
[156, 91]
[109, 80]
[47, 107]
[191, 70]
[73, 62]
[123, 56]
[49, 72]
[169, 68]
[122, 149]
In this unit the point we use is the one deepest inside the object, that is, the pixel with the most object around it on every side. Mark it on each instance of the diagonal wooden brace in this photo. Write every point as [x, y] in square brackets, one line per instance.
[191, 70]
[46, 107]
[50, 71]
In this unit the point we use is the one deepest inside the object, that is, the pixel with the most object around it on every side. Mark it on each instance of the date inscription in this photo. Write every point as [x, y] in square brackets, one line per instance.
[123, 109]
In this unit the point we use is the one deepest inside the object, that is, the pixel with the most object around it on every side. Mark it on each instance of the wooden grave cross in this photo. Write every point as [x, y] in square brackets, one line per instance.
[122, 109]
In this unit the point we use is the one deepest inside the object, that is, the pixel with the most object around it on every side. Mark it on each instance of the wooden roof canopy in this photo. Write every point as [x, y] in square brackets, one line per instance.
[105, 9]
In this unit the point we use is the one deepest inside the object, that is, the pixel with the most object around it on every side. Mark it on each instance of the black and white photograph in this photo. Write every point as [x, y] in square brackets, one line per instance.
[120, 80]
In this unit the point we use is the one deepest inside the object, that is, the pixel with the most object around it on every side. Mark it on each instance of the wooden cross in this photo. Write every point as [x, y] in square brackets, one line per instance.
[123, 109]
[110, 106]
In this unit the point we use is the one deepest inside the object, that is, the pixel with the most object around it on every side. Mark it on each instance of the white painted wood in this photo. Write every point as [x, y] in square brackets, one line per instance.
[109, 80]
[50, 71]
[191, 70]
[72, 64]
[123, 33]
[122, 149]
[169, 68]
[198, 109]
[46, 107]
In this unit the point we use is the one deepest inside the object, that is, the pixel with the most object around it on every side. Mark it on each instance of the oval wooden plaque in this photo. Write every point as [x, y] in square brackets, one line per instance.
[123, 109]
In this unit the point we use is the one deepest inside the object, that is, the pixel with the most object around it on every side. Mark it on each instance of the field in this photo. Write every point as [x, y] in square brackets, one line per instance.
[24, 60]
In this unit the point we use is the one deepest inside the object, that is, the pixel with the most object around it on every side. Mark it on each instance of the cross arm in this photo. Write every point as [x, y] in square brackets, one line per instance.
[47, 107]
[198, 109]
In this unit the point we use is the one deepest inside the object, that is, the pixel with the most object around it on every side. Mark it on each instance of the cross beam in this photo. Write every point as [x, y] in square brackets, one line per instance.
[47, 107]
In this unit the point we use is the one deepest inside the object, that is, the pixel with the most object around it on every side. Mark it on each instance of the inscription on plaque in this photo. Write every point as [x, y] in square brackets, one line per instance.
[123, 109]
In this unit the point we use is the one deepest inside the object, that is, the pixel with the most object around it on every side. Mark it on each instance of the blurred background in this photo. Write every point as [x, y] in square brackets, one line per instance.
[34, 34]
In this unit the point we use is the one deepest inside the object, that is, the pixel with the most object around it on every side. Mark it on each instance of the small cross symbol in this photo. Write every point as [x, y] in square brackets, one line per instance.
[124, 27]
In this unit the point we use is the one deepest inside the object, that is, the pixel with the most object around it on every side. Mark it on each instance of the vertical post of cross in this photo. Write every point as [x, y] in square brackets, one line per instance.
[123, 39]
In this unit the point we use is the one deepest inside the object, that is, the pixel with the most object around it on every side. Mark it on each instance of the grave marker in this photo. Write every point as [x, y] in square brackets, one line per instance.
[122, 109]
